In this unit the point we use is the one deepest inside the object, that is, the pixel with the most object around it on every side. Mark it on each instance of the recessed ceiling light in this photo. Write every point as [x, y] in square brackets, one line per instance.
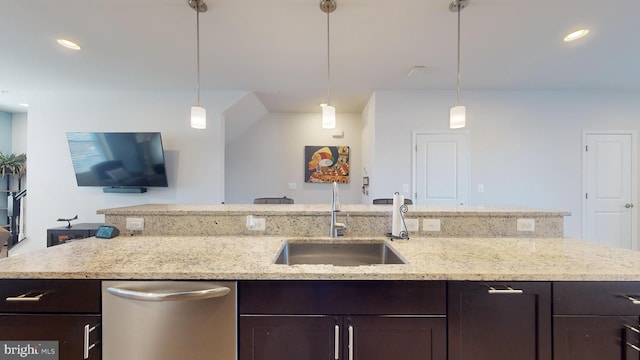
[576, 35]
[24, 105]
[69, 44]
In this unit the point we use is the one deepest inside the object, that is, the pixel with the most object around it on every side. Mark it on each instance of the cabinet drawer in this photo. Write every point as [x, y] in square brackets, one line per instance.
[49, 296]
[596, 298]
[343, 297]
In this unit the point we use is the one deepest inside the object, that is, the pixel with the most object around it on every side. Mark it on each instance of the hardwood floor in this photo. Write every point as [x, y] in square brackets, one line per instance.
[3, 251]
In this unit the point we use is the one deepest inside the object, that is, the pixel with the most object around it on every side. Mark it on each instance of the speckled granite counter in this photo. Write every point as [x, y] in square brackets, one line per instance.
[244, 258]
[313, 220]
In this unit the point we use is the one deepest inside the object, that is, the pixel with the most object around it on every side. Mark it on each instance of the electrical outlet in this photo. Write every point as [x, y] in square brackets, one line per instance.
[431, 224]
[405, 188]
[526, 225]
[135, 224]
[480, 188]
[292, 186]
[412, 224]
[259, 224]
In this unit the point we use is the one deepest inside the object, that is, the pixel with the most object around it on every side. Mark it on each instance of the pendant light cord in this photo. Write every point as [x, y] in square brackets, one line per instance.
[328, 60]
[459, 11]
[198, 46]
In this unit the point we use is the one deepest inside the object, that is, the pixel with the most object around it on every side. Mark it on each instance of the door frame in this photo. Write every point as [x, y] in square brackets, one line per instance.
[634, 179]
[414, 158]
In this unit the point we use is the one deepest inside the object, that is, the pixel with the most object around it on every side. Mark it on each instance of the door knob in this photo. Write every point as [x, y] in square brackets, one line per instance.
[628, 206]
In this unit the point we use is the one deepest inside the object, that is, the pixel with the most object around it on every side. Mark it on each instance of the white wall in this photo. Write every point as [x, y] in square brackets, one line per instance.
[194, 157]
[367, 137]
[268, 155]
[525, 146]
[19, 133]
[5, 132]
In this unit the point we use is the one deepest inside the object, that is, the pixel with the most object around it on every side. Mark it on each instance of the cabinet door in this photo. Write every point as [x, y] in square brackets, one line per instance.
[68, 330]
[275, 337]
[594, 338]
[384, 338]
[499, 321]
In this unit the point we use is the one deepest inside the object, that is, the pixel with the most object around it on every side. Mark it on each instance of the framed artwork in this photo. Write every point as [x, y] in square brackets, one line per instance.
[326, 164]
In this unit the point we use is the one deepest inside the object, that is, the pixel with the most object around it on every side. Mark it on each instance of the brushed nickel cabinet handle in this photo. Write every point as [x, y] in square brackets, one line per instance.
[632, 328]
[336, 348]
[635, 330]
[26, 297]
[505, 290]
[88, 329]
[633, 299]
[350, 342]
[634, 347]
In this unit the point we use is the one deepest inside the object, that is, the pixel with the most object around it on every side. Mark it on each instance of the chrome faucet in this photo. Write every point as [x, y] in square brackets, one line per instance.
[335, 208]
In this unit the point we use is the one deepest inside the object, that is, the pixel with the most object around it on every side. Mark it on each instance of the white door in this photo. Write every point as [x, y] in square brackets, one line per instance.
[608, 177]
[441, 169]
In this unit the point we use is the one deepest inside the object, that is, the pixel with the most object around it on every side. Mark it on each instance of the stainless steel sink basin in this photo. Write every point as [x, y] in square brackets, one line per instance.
[338, 253]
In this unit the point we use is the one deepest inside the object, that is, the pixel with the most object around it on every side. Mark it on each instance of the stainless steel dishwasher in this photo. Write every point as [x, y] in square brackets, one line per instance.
[169, 320]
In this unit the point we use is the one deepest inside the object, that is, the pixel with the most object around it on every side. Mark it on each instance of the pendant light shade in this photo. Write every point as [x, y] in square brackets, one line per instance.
[328, 116]
[458, 113]
[198, 113]
[198, 117]
[458, 117]
[328, 111]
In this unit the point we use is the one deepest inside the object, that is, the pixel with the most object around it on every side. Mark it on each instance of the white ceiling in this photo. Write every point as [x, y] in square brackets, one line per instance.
[277, 48]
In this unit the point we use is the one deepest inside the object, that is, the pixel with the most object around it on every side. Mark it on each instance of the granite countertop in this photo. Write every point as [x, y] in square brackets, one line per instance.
[323, 209]
[246, 258]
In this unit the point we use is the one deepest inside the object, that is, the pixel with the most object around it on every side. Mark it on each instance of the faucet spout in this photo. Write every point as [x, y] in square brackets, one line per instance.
[335, 208]
[335, 199]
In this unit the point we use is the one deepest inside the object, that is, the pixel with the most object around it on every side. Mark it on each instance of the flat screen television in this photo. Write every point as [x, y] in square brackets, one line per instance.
[118, 159]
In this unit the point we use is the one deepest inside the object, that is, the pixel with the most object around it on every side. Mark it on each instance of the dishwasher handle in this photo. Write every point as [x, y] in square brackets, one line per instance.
[214, 292]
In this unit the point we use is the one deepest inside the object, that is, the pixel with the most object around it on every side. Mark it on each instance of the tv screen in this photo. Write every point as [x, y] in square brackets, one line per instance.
[118, 159]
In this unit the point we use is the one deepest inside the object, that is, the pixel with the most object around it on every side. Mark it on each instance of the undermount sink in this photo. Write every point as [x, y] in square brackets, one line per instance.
[338, 253]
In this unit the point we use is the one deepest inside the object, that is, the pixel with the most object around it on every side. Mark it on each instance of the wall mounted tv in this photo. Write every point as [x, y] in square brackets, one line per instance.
[118, 161]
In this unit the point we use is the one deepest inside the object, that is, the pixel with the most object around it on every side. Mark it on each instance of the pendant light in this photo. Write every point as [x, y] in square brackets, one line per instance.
[328, 111]
[198, 113]
[458, 113]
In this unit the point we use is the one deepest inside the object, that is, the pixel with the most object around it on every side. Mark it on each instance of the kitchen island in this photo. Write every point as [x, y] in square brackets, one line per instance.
[251, 258]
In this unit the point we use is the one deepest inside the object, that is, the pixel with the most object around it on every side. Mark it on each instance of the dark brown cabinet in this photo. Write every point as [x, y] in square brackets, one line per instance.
[287, 337]
[596, 320]
[65, 311]
[388, 337]
[499, 321]
[342, 320]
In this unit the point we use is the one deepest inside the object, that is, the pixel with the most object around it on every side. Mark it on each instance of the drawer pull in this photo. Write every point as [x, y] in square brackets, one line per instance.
[634, 299]
[506, 290]
[88, 329]
[26, 297]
